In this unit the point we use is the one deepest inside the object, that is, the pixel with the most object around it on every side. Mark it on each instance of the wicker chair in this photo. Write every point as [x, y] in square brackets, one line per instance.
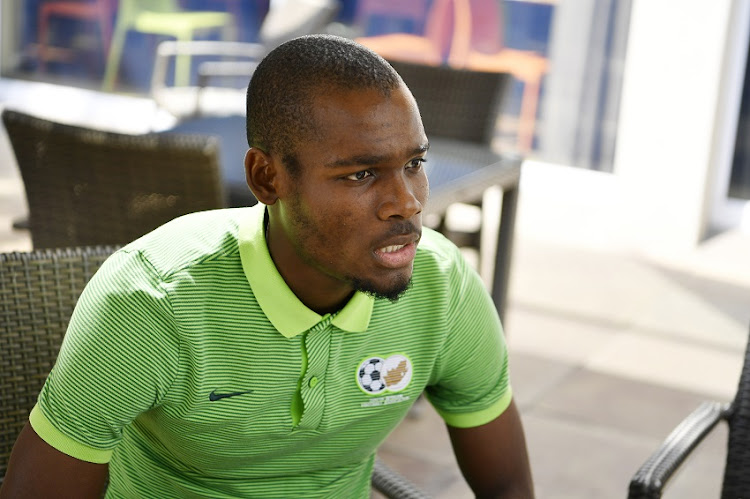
[456, 103]
[88, 187]
[653, 476]
[38, 291]
[461, 107]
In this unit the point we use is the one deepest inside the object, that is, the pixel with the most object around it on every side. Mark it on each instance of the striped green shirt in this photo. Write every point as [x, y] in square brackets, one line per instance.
[194, 371]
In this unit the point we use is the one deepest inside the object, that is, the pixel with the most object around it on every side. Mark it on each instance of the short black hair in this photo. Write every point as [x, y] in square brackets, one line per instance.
[281, 91]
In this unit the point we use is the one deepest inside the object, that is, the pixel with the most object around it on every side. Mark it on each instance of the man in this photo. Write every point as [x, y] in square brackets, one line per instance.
[268, 351]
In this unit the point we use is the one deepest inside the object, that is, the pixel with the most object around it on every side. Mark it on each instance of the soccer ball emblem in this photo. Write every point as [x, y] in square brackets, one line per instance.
[370, 375]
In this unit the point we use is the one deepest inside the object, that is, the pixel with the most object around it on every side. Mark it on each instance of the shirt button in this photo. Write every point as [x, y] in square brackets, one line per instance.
[313, 382]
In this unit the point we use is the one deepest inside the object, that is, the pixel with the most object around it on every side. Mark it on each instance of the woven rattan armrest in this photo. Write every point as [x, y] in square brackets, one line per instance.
[650, 480]
[392, 485]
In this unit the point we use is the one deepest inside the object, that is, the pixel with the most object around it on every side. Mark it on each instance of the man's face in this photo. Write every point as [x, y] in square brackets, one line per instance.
[353, 214]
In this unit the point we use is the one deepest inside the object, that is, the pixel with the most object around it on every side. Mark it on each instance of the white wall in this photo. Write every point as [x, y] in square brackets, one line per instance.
[666, 150]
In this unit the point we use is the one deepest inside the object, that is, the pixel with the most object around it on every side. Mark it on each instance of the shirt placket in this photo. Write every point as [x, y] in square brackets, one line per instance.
[312, 388]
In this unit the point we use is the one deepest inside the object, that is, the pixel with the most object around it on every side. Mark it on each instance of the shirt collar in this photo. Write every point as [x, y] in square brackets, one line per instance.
[282, 307]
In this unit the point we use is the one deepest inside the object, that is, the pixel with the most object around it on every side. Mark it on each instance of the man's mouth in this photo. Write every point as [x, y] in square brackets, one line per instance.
[391, 249]
[396, 256]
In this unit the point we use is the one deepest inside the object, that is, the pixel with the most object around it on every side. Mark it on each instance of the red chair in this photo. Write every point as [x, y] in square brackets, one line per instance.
[468, 34]
[99, 11]
[477, 45]
[430, 48]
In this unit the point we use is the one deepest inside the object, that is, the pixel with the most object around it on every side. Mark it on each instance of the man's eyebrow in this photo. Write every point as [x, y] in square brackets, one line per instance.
[372, 159]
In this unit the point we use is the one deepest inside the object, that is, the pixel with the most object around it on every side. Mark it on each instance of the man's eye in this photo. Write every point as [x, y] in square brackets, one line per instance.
[359, 175]
[416, 163]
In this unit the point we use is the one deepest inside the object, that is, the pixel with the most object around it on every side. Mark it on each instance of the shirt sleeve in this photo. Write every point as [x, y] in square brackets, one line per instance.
[117, 360]
[471, 383]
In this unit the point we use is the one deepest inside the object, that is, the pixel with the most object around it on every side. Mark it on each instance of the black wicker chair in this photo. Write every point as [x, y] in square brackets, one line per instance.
[653, 476]
[87, 187]
[38, 291]
[454, 103]
[460, 109]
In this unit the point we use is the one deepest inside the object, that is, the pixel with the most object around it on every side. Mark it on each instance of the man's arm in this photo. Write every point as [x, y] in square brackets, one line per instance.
[37, 469]
[493, 457]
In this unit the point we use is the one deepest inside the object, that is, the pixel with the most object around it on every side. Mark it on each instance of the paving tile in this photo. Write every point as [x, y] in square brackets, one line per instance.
[593, 398]
[722, 257]
[702, 308]
[671, 363]
[423, 436]
[557, 337]
[420, 449]
[621, 289]
[600, 285]
[572, 460]
[431, 478]
[532, 377]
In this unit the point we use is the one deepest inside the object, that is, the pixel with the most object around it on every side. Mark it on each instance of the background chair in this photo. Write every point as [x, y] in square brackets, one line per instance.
[162, 17]
[99, 11]
[38, 291]
[460, 110]
[468, 35]
[653, 476]
[220, 110]
[429, 48]
[460, 105]
[88, 187]
[456, 103]
[478, 45]
[235, 60]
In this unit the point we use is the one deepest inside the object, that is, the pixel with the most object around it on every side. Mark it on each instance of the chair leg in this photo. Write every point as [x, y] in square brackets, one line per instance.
[43, 38]
[229, 32]
[105, 30]
[501, 273]
[182, 63]
[527, 117]
[113, 59]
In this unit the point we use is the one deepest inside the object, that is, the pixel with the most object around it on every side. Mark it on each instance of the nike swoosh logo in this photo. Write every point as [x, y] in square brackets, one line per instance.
[213, 396]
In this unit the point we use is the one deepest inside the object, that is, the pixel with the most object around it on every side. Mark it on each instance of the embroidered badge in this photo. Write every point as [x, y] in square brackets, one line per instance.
[377, 375]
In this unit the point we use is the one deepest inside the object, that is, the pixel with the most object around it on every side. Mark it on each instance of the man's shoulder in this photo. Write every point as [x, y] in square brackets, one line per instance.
[436, 248]
[190, 240]
[438, 260]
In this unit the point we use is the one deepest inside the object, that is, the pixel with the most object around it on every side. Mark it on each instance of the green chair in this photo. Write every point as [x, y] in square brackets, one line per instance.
[162, 17]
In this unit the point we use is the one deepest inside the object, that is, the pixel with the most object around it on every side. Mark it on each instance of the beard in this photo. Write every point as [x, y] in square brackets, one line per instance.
[308, 235]
[396, 290]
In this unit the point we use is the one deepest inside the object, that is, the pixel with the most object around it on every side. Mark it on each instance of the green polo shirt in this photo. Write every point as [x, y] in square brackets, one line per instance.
[194, 371]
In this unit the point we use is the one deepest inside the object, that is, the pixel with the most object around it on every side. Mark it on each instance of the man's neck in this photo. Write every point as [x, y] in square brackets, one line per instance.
[318, 291]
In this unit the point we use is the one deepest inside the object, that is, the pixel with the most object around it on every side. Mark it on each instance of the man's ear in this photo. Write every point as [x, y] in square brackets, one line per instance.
[261, 173]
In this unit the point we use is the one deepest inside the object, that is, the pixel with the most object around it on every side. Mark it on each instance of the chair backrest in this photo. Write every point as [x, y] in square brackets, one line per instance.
[129, 9]
[88, 187]
[37, 293]
[737, 468]
[456, 103]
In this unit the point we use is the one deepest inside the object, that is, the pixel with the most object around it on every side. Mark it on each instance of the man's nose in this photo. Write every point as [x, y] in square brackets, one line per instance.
[403, 197]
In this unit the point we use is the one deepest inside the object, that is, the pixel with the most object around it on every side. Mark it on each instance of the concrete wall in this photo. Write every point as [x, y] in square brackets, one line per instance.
[671, 120]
